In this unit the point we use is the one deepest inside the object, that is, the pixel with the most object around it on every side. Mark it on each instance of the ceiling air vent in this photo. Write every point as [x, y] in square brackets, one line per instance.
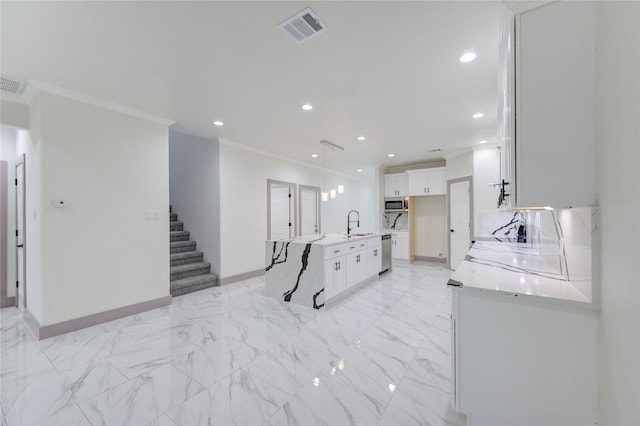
[12, 85]
[303, 26]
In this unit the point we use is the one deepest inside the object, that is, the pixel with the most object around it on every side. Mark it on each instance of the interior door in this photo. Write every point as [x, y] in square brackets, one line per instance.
[309, 210]
[282, 211]
[21, 296]
[459, 221]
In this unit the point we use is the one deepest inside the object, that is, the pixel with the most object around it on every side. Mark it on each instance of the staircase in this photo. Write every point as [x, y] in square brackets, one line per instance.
[188, 271]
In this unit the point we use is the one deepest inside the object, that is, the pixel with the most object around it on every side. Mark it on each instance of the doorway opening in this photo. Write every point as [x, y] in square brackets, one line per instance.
[21, 234]
[459, 218]
[309, 208]
[281, 210]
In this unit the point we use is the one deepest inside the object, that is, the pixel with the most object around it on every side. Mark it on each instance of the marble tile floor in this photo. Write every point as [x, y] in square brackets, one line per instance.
[229, 356]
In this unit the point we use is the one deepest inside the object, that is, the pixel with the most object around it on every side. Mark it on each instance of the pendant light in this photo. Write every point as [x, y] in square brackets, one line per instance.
[340, 185]
[332, 192]
[324, 194]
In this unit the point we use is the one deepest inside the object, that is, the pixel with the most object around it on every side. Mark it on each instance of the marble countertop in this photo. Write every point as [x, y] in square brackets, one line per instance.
[520, 269]
[332, 238]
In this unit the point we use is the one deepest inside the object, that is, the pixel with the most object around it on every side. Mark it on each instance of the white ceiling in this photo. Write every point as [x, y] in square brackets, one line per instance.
[386, 70]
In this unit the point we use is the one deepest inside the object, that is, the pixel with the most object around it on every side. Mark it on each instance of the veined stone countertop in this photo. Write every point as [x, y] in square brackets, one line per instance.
[331, 239]
[554, 267]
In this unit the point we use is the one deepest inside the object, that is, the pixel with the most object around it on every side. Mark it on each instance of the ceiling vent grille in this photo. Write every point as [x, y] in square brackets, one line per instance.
[12, 85]
[303, 26]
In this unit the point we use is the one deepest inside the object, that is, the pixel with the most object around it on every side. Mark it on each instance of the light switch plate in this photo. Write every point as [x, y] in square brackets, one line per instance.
[60, 204]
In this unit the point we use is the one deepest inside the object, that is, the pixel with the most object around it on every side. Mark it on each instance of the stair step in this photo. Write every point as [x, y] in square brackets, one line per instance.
[185, 258]
[179, 236]
[191, 284]
[176, 226]
[182, 246]
[173, 217]
[189, 270]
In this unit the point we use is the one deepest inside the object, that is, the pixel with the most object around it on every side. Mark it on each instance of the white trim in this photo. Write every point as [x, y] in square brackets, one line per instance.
[521, 6]
[34, 87]
[51, 330]
[457, 153]
[290, 160]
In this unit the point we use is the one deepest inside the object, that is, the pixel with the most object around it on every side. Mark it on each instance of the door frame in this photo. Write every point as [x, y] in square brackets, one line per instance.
[471, 230]
[5, 300]
[317, 190]
[21, 160]
[293, 194]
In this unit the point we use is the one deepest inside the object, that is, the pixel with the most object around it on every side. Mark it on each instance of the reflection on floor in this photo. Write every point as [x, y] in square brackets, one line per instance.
[229, 356]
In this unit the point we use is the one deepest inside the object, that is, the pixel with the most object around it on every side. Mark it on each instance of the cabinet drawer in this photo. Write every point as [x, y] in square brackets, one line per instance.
[340, 250]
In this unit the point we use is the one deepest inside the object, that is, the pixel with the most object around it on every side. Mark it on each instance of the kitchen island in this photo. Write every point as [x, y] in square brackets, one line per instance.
[524, 322]
[315, 269]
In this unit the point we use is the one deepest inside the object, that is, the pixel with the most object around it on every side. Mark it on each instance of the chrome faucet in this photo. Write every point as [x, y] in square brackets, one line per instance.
[349, 220]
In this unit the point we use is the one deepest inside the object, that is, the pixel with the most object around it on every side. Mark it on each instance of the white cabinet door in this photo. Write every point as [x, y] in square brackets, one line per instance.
[400, 246]
[403, 185]
[374, 261]
[555, 114]
[437, 181]
[417, 182]
[396, 185]
[427, 181]
[356, 267]
[334, 277]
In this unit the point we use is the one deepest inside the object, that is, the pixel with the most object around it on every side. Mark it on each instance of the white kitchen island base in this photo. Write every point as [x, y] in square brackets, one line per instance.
[316, 269]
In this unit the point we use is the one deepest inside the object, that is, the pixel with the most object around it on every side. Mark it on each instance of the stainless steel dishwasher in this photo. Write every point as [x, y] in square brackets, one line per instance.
[386, 253]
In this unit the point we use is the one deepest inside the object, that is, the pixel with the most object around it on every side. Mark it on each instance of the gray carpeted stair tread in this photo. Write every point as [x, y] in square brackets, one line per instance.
[176, 226]
[179, 235]
[189, 267]
[185, 255]
[173, 217]
[191, 284]
[182, 246]
[189, 270]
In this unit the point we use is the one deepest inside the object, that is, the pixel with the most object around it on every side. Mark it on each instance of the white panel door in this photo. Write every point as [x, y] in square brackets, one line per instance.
[309, 212]
[281, 212]
[21, 301]
[460, 220]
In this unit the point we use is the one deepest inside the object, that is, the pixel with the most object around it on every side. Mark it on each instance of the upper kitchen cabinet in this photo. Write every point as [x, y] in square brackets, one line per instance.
[548, 133]
[396, 185]
[428, 181]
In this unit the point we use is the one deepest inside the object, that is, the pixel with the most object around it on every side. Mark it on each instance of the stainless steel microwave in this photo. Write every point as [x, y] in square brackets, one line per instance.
[396, 204]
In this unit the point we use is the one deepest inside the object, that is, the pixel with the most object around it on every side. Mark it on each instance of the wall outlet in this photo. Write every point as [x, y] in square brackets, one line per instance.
[439, 254]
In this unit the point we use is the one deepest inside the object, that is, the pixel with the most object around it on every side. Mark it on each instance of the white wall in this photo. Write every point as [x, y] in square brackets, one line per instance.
[430, 220]
[459, 165]
[618, 156]
[243, 200]
[486, 169]
[194, 190]
[99, 253]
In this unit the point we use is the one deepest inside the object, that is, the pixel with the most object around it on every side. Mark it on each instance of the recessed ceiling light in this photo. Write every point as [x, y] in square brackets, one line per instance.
[481, 142]
[468, 57]
[218, 123]
[314, 155]
[478, 115]
[391, 155]
[359, 170]
[307, 107]
[361, 138]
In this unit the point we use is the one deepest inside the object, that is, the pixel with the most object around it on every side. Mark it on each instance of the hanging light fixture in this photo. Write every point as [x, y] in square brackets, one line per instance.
[340, 185]
[332, 146]
[324, 194]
